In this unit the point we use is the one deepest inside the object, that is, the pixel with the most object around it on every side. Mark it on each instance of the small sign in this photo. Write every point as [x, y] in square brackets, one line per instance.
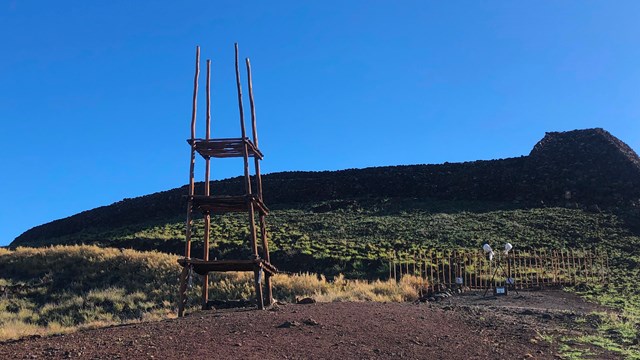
[459, 281]
[510, 281]
[500, 291]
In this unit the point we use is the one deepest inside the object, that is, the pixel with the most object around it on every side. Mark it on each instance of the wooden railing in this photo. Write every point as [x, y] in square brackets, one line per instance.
[522, 269]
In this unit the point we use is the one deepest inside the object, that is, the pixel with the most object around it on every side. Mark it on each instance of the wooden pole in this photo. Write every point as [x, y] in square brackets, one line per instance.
[414, 263]
[395, 271]
[517, 269]
[585, 263]
[574, 271]
[254, 129]
[406, 263]
[536, 266]
[450, 269]
[187, 246]
[263, 226]
[194, 105]
[467, 264]
[527, 268]
[579, 267]
[562, 267]
[593, 263]
[608, 269]
[559, 266]
[207, 192]
[464, 267]
[567, 266]
[248, 192]
[484, 282]
[554, 265]
[476, 269]
[602, 265]
[509, 274]
[570, 277]
[431, 279]
[456, 269]
[545, 266]
[438, 271]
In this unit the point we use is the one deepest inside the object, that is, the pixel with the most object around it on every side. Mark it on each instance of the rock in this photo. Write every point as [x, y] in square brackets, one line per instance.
[311, 322]
[288, 324]
[440, 296]
[305, 301]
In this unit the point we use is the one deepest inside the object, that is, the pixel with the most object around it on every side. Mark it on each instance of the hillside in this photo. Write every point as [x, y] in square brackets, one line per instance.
[575, 188]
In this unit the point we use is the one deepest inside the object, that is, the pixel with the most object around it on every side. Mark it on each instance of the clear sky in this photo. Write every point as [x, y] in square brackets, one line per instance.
[95, 96]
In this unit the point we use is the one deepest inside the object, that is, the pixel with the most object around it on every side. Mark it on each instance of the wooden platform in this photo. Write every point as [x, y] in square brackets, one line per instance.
[203, 267]
[225, 148]
[226, 204]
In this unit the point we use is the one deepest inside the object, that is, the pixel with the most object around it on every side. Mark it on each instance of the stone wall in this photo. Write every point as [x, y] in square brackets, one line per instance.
[581, 168]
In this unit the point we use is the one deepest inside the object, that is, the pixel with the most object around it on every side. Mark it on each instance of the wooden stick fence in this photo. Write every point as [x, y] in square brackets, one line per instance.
[524, 269]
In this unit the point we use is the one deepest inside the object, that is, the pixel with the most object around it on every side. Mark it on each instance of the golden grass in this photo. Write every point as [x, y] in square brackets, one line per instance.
[75, 287]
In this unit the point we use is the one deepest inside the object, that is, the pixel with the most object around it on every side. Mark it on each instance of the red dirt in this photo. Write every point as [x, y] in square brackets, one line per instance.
[465, 326]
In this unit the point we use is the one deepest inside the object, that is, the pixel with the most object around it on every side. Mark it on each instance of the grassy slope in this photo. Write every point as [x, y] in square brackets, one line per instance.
[357, 233]
[349, 238]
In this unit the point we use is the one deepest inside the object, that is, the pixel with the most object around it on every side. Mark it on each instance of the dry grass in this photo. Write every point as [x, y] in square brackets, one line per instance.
[65, 288]
[288, 287]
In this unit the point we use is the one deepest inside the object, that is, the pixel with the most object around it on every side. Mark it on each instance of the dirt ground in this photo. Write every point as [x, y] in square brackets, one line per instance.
[464, 326]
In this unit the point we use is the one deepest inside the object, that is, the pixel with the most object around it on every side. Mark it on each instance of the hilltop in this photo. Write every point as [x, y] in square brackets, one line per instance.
[585, 167]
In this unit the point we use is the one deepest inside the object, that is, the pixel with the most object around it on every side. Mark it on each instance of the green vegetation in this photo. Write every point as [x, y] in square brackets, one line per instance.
[369, 229]
[617, 332]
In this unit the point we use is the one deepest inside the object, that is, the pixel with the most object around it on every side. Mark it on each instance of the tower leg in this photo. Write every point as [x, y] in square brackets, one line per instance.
[205, 291]
[258, 282]
[183, 291]
[269, 289]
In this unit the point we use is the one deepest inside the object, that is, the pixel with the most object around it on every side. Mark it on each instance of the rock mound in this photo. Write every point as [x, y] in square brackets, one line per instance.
[586, 167]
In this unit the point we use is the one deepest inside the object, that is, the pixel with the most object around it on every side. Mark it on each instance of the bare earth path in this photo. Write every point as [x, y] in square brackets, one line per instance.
[460, 327]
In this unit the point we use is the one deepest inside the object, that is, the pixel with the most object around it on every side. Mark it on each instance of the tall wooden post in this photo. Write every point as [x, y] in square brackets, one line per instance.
[395, 272]
[187, 245]
[252, 219]
[263, 226]
[430, 274]
[207, 192]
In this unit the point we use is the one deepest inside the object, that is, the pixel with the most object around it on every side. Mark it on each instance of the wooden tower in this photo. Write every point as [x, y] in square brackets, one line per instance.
[208, 204]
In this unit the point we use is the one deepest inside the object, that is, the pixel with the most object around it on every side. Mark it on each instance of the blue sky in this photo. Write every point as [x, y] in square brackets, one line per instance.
[95, 96]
